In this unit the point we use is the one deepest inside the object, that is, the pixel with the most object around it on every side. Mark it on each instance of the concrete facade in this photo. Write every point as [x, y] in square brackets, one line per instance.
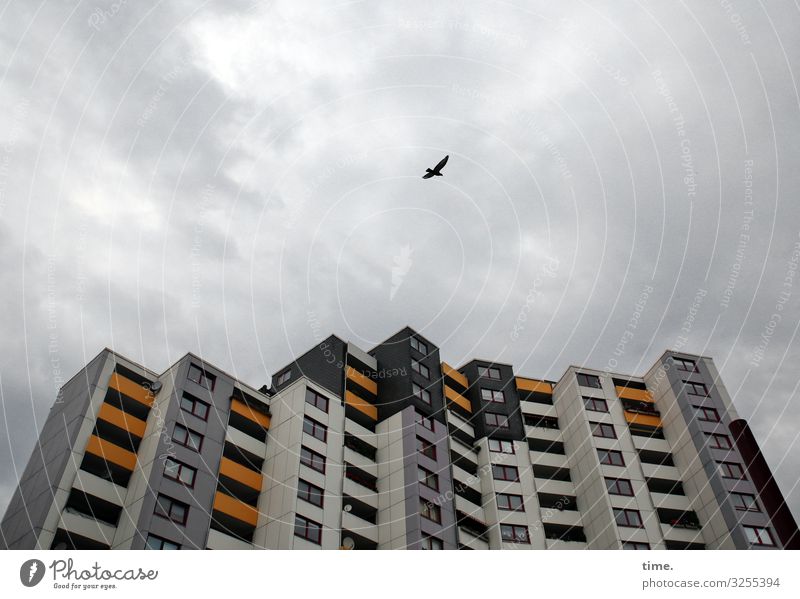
[394, 449]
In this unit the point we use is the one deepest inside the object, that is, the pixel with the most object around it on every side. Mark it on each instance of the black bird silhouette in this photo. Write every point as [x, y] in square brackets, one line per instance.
[436, 171]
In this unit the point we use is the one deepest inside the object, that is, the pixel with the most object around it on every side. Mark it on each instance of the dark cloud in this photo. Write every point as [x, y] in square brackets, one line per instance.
[239, 181]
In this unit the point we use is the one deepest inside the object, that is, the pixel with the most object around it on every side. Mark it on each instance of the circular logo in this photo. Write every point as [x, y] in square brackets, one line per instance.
[31, 572]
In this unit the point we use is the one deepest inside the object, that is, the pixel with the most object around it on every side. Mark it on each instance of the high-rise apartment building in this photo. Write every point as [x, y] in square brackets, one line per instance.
[394, 449]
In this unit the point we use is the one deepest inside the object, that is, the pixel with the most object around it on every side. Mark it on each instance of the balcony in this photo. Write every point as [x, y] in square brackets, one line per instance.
[246, 442]
[475, 526]
[652, 471]
[85, 526]
[573, 535]
[364, 434]
[544, 434]
[554, 487]
[467, 479]
[91, 506]
[360, 492]
[468, 464]
[464, 450]
[538, 409]
[251, 418]
[456, 421]
[681, 535]
[552, 460]
[650, 444]
[234, 517]
[469, 508]
[99, 487]
[561, 545]
[221, 541]
[359, 526]
[361, 462]
[680, 525]
[546, 445]
[669, 501]
[470, 540]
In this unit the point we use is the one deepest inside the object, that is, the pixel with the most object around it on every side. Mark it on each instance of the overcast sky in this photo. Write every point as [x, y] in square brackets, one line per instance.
[240, 180]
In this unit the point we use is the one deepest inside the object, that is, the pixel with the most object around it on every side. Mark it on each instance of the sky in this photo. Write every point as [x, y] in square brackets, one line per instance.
[242, 179]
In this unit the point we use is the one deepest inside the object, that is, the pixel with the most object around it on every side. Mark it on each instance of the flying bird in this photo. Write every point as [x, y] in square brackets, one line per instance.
[436, 171]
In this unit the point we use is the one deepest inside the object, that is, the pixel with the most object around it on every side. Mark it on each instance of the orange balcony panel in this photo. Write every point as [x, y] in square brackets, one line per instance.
[240, 473]
[361, 405]
[117, 417]
[534, 385]
[454, 374]
[111, 453]
[643, 419]
[364, 381]
[634, 394]
[457, 398]
[243, 409]
[235, 509]
[131, 389]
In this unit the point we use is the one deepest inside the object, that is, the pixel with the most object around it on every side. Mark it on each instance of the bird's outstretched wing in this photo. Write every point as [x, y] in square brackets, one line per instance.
[441, 164]
[428, 175]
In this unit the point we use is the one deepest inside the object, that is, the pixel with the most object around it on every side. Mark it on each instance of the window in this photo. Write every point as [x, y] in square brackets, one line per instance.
[420, 368]
[312, 459]
[635, 545]
[595, 404]
[629, 518]
[684, 365]
[430, 511]
[426, 448]
[498, 446]
[493, 395]
[745, 502]
[589, 380]
[201, 377]
[429, 542]
[425, 422]
[496, 420]
[698, 389]
[509, 502]
[168, 508]
[317, 400]
[154, 542]
[718, 441]
[419, 345]
[315, 429]
[757, 535]
[731, 470]
[307, 529]
[706, 414]
[180, 472]
[508, 473]
[619, 486]
[310, 493]
[489, 372]
[428, 478]
[194, 406]
[514, 533]
[421, 394]
[284, 376]
[601, 429]
[610, 457]
[183, 436]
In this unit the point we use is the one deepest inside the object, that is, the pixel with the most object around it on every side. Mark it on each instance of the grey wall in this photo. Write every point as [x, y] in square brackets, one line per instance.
[31, 501]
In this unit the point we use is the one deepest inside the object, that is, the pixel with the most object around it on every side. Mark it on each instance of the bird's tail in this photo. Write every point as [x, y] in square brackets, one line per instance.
[439, 175]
